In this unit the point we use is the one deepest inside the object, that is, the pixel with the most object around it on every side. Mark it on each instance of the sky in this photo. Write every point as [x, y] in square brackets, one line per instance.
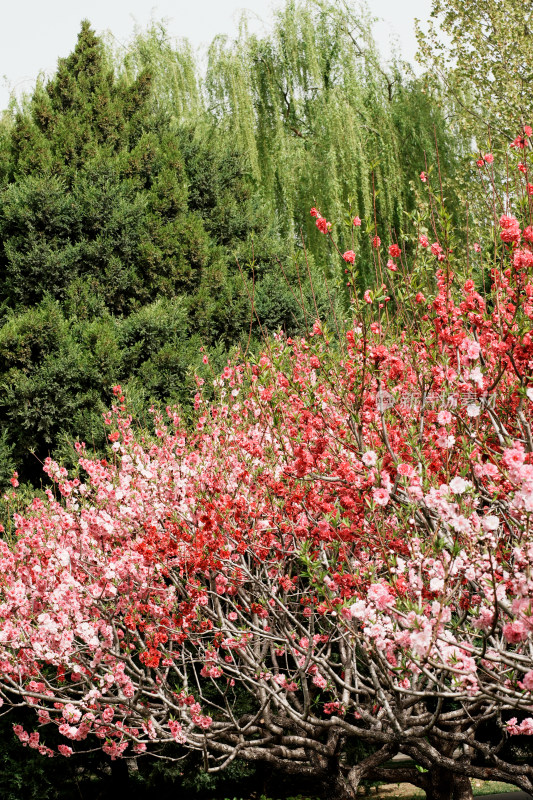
[34, 34]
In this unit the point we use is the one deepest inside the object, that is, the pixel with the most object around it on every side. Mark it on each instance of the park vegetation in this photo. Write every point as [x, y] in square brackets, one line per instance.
[283, 529]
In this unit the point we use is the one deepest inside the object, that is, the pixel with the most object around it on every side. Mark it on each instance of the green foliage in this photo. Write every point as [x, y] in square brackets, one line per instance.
[323, 121]
[48, 383]
[188, 778]
[7, 463]
[318, 116]
[481, 51]
[95, 193]
[108, 204]
[130, 239]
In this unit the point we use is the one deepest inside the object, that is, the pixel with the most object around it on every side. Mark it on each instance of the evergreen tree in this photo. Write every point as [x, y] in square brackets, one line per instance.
[126, 246]
[95, 194]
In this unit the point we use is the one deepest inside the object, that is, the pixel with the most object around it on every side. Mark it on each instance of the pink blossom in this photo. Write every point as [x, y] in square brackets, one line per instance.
[380, 595]
[406, 470]
[71, 713]
[421, 640]
[522, 259]
[514, 632]
[349, 256]
[473, 349]
[513, 457]
[203, 722]
[381, 496]
[369, 458]
[525, 728]
[527, 233]
[527, 680]
[177, 731]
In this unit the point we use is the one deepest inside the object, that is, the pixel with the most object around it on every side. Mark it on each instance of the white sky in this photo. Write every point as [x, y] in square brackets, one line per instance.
[35, 33]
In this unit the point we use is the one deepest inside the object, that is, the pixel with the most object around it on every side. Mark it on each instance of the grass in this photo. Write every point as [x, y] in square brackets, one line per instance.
[408, 792]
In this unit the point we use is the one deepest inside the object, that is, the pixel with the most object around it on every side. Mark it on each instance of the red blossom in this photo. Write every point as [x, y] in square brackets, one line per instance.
[510, 229]
[394, 251]
[323, 225]
[349, 256]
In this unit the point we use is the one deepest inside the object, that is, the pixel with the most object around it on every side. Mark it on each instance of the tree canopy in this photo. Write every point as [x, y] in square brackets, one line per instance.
[482, 50]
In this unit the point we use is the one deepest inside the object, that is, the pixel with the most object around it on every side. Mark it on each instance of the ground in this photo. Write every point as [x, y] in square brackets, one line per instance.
[407, 791]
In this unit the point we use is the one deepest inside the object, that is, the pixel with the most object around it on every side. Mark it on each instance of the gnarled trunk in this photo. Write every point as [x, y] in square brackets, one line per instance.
[439, 783]
[442, 784]
[344, 784]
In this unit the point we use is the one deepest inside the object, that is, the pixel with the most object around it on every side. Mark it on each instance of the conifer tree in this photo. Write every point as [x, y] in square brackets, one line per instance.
[129, 231]
[95, 193]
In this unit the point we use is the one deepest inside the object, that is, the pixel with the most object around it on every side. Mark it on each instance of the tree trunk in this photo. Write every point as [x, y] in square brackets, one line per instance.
[344, 785]
[462, 789]
[339, 787]
[445, 785]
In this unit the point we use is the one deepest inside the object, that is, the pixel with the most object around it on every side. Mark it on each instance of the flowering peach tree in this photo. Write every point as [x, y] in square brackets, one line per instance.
[340, 551]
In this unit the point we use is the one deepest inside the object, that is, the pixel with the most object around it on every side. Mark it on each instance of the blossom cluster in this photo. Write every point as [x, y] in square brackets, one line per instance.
[342, 561]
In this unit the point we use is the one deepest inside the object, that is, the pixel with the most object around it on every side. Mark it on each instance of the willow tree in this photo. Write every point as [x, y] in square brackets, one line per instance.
[173, 67]
[323, 120]
[316, 114]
